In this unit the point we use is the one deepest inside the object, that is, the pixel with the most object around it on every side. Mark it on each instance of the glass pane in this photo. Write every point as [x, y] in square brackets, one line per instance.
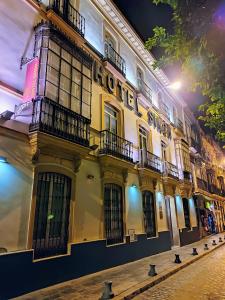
[75, 105]
[53, 46]
[76, 90]
[53, 60]
[86, 83]
[76, 64]
[86, 97]
[51, 91]
[66, 55]
[86, 71]
[107, 122]
[76, 76]
[65, 69]
[64, 98]
[65, 83]
[113, 125]
[52, 75]
[85, 110]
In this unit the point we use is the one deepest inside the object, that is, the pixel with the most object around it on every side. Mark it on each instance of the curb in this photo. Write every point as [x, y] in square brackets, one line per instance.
[148, 283]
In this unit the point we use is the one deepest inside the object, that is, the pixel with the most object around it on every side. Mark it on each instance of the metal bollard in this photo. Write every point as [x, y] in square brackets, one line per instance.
[220, 240]
[206, 247]
[152, 271]
[214, 243]
[177, 259]
[194, 251]
[107, 291]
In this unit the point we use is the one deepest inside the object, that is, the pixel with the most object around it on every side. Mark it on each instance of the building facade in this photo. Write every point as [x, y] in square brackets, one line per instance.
[100, 162]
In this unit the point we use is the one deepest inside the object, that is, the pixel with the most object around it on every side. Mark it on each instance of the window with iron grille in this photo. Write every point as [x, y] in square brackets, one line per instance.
[113, 213]
[186, 213]
[149, 213]
[50, 235]
[65, 72]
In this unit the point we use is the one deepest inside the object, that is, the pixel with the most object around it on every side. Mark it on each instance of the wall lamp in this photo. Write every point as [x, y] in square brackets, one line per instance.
[133, 185]
[3, 159]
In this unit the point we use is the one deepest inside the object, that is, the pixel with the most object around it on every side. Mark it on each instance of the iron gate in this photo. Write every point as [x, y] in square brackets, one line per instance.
[113, 207]
[51, 223]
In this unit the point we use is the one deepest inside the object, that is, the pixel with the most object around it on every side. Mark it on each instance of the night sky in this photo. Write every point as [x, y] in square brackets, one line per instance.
[143, 15]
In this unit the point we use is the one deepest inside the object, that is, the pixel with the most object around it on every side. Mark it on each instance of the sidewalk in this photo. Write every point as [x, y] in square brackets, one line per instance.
[128, 279]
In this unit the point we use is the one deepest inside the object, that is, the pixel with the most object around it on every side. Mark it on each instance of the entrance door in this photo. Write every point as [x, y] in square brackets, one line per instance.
[172, 221]
[51, 223]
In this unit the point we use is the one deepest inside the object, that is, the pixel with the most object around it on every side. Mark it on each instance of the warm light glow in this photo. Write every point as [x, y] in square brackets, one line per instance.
[176, 85]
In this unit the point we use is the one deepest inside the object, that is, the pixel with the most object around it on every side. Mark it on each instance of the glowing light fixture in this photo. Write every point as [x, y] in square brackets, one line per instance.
[3, 159]
[176, 85]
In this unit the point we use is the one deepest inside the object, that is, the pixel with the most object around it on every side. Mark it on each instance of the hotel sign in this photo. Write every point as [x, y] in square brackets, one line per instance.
[31, 80]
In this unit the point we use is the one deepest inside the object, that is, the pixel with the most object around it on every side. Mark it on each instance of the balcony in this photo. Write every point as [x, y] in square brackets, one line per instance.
[144, 89]
[170, 170]
[54, 119]
[150, 161]
[112, 144]
[69, 14]
[202, 184]
[115, 59]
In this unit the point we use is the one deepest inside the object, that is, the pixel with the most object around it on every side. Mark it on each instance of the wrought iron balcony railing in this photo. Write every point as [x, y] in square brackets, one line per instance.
[202, 184]
[170, 170]
[115, 59]
[144, 89]
[150, 161]
[66, 10]
[55, 119]
[114, 145]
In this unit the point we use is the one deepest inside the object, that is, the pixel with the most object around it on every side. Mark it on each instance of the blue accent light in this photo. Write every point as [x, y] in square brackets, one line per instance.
[3, 159]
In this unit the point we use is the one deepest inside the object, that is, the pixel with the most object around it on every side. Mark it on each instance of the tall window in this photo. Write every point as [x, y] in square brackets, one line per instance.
[64, 77]
[149, 213]
[50, 234]
[111, 119]
[164, 152]
[113, 213]
[186, 213]
[143, 143]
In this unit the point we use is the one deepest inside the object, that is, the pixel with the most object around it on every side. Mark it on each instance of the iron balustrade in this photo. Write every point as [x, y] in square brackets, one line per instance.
[115, 59]
[171, 170]
[114, 145]
[150, 161]
[55, 119]
[145, 89]
[68, 12]
[202, 184]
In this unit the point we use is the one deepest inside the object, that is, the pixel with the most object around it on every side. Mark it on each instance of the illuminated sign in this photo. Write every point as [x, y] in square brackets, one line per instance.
[114, 86]
[158, 123]
[31, 80]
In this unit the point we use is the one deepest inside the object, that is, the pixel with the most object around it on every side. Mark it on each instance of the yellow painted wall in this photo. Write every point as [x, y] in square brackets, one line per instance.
[160, 202]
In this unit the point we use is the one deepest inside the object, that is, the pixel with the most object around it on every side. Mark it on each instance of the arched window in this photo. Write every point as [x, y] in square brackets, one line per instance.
[113, 213]
[149, 213]
[50, 235]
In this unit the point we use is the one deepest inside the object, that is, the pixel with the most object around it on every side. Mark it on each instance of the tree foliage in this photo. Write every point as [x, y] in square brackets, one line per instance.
[197, 44]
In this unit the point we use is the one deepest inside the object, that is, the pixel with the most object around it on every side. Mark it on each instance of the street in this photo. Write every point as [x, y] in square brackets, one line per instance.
[203, 280]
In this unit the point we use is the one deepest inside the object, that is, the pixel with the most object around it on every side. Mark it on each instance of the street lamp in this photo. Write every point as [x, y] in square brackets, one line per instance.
[175, 86]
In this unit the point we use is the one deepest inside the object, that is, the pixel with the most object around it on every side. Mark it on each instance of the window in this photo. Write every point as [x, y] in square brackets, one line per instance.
[186, 213]
[113, 213]
[51, 223]
[164, 154]
[149, 213]
[163, 106]
[143, 143]
[68, 80]
[111, 119]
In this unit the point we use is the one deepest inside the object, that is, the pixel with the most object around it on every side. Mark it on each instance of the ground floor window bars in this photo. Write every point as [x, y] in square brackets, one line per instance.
[50, 236]
[149, 213]
[113, 212]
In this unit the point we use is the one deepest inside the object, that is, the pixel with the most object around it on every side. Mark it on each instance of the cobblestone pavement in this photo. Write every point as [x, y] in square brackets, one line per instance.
[123, 277]
[203, 280]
